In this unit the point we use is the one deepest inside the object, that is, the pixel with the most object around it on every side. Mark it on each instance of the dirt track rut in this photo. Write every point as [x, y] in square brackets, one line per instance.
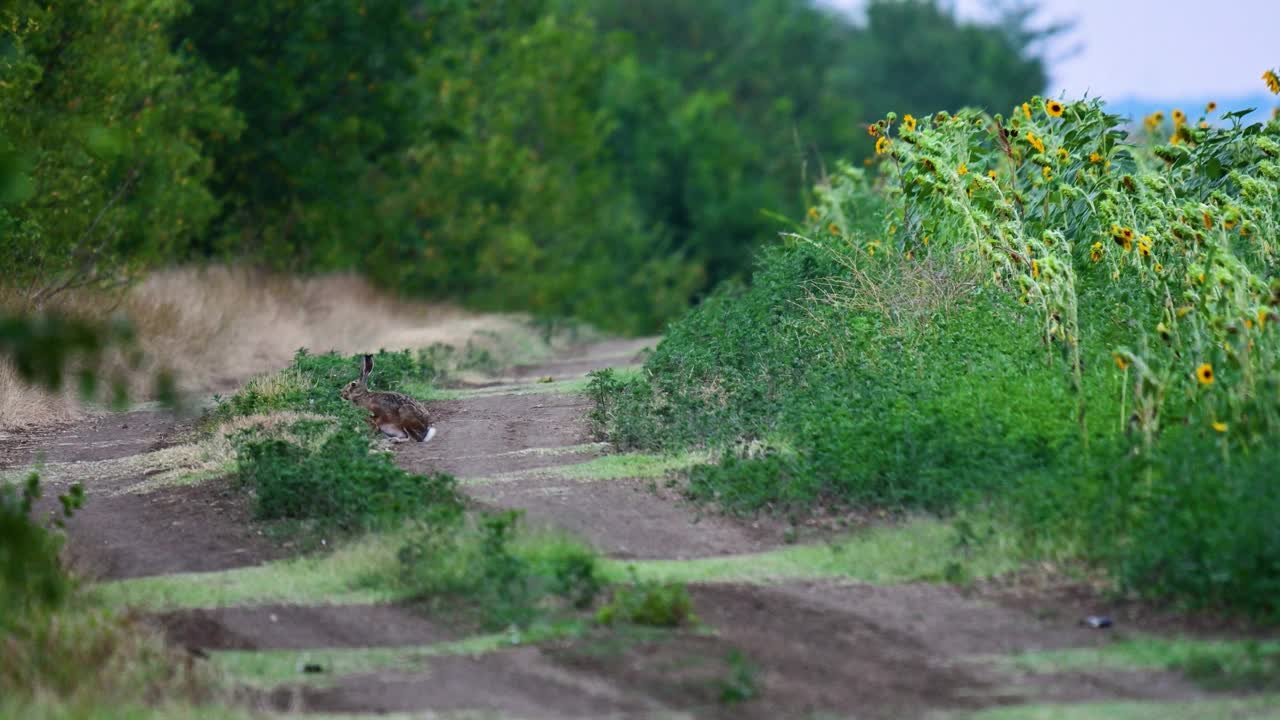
[847, 649]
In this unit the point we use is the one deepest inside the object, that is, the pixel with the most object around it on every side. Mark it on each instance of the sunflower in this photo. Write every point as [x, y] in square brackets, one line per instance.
[1204, 374]
[1054, 108]
[813, 213]
[1211, 107]
[1272, 81]
[1203, 125]
[1144, 246]
[1046, 172]
[1026, 110]
[1122, 236]
[963, 169]
[1219, 426]
[1095, 252]
[1179, 117]
[909, 122]
[991, 174]
[1158, 268]
[1262, 318]
[1122, 362]
[1035, 142]
[882, 145]
[834, 229]
[873, 129]
[1035, 269]
[1063, 155]
[1208, 220]
[1095, 157]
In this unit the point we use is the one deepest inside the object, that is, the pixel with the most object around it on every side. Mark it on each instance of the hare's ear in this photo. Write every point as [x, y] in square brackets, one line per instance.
[366, 367]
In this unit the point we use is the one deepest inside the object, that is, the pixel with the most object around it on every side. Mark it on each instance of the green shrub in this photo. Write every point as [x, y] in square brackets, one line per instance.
[485, 565]
[650, 603]
[31, 574]
[332, 476]
[1206, 531]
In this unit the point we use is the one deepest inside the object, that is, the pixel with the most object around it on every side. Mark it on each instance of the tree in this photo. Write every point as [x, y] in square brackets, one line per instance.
[98, 125]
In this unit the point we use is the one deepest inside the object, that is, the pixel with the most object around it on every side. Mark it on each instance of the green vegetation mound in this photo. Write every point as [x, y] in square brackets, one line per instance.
[1034, 320]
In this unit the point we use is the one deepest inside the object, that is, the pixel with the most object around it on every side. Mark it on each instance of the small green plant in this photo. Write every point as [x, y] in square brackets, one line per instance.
[489, 567]
[739, 681]
[649, 603]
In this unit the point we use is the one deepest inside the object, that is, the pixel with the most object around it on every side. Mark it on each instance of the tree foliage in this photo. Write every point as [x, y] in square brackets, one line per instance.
[608, 159]
[98, 137]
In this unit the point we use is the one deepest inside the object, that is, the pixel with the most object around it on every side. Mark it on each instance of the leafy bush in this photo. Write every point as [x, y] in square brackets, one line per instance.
[1026, 315]
[485, 565]
[1207, 530]
[97, 122]
[31, 574]
[648, 602]
[331, 475]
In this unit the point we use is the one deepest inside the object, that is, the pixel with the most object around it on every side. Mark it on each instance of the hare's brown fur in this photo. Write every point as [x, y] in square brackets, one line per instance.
[394, 414]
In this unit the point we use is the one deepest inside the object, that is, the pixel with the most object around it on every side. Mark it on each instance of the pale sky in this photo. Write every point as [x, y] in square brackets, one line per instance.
[1153, 50]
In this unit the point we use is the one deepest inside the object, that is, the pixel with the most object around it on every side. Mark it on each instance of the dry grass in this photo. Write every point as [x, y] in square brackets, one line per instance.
[22, 405]
[215, 327]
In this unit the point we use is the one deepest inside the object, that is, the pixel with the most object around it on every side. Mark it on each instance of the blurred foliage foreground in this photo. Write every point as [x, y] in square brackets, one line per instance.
[1067, 335]
[599, 158]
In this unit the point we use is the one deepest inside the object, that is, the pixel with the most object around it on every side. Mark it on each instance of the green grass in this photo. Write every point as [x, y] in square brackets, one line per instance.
[1214, 663]
[270, 668]
[919, 550]
[367, 570]
[607, 467]
[1250, 708]
[351, 574]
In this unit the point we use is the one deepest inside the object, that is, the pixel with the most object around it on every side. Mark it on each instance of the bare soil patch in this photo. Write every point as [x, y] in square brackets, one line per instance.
[101, 437]
[195, 528]
[298, 627]
[478, 436]
[626, 519]
[513, 683]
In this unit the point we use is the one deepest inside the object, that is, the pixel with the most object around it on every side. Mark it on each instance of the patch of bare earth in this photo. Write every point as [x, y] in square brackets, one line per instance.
[783, 651]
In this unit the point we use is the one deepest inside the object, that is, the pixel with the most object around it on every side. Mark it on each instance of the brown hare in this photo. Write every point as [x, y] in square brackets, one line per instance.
[394, 414]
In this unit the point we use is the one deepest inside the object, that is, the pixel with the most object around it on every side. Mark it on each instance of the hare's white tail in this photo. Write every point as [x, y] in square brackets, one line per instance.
[431, 432]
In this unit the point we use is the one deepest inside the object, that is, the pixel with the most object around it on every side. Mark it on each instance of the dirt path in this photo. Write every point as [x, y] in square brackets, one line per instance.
[852, 649]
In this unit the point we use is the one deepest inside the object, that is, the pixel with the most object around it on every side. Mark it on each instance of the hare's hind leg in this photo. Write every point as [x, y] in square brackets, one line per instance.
[394, 432]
